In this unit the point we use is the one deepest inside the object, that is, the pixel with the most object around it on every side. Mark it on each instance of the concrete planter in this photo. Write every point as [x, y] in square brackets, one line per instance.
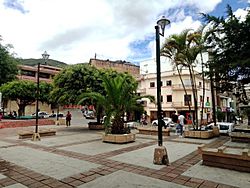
[153, 131]
[62, 121]
[223, 157]
[96, 127]
[199, 134]
[29, 134]
[118, 138]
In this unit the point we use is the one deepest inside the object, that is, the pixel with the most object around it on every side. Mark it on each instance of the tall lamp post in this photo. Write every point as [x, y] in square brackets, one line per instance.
[36, 135]
[160, 155]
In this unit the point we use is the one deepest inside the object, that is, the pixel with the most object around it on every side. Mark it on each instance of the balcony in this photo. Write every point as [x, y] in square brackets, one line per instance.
[141, 90]
[180, 87]
[185, 105]
[33, 79]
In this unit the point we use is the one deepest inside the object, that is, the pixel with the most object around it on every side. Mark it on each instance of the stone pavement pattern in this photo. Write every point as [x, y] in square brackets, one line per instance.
[76, 157]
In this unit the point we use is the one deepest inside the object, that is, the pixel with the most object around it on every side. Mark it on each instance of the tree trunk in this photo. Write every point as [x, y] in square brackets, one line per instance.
[194, 89]
[21, 109]
[183, 85]
[118, 126]
[203, 88]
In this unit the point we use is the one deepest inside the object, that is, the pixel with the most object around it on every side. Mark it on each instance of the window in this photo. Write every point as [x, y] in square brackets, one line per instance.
[187, 99]
[199, 84]
[152, 84]
[169, 82]
[44, 75]
[28, 73]
[169, 98]
[161, 83]
[161, 98]
[207, 99]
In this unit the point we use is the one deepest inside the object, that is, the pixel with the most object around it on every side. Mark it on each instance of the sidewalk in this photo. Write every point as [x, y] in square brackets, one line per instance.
[76, 157]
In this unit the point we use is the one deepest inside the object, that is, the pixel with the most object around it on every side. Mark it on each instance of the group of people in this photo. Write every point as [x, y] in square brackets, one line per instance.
[12, 114]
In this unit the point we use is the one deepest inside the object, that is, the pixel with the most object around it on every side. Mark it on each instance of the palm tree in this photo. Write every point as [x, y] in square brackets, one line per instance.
[183, 52]
[172, 49]
[120, 97]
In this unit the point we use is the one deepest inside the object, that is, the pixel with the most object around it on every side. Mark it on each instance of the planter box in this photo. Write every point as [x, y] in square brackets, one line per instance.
[118, 138]
[223, 157]
[216, 131]
[199, 134]
[96, 127]
[25, 123]
[62, 121]
[153, 131]
[240, 137]
[29, 134]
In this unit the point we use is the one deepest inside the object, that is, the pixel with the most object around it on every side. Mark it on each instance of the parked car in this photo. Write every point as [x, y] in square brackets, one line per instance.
[132, 124]
[55, 115]
[41, 115]
[224, 127]
[90, 115]
[167, 120]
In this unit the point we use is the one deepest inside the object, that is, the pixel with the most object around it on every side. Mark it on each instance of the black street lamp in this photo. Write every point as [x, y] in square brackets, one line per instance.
[36, 135]
[160, 155]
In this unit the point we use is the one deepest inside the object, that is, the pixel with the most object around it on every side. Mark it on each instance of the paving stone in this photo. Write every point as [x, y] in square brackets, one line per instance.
[45, 163]
[128, 180]
[2, 176]
[17, 185]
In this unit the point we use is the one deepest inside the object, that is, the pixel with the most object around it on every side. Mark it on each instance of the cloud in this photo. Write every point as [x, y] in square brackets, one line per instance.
[15, 4]
[73, 31]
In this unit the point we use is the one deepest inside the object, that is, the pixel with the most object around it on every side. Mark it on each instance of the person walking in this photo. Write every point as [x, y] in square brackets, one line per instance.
[68, 119]
[181, 119]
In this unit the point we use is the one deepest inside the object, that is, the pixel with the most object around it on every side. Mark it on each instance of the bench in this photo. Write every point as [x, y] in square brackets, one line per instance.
[29, 134]
[223, 157]
[153, 131]
[240, 137]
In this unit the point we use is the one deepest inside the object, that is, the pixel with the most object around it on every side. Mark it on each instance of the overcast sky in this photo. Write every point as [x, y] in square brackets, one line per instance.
[73, 31]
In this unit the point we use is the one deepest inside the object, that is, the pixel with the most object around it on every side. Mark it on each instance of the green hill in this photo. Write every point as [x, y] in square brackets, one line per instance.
[33, 62]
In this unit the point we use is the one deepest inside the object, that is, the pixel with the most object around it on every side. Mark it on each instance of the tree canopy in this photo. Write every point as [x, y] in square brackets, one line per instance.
[24, 93]
[229, 40]
[8, 64]
[74, 80]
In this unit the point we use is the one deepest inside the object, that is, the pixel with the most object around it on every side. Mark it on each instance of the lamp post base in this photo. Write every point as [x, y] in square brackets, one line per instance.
[57, 122]
[36, 137]
[161, 156]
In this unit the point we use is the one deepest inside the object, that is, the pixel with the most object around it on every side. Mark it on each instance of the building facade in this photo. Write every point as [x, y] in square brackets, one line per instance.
[173, 97]
[119, 66]
[30, 73]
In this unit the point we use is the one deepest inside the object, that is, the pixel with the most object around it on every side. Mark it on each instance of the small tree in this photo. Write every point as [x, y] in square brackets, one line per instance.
[24, 93]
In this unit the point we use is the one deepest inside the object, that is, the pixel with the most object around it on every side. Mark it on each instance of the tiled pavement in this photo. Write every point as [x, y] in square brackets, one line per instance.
[73, 159]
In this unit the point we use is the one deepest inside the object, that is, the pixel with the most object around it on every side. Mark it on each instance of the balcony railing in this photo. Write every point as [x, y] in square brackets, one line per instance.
[180, 87]
[141, 90]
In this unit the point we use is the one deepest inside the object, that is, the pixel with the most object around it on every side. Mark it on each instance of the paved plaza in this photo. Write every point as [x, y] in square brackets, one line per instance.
[77, 157]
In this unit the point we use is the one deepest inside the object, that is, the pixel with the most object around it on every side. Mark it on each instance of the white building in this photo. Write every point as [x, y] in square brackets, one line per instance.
[172, 93]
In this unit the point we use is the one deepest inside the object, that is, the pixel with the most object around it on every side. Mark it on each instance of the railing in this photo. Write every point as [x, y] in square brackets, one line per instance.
[141, 90]
[180, 87]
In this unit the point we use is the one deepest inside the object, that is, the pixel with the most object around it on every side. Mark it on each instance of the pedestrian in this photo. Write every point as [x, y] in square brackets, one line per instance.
[1, 116]
[14, 114]
[68, 119]
[181, 119]
[174, 117]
